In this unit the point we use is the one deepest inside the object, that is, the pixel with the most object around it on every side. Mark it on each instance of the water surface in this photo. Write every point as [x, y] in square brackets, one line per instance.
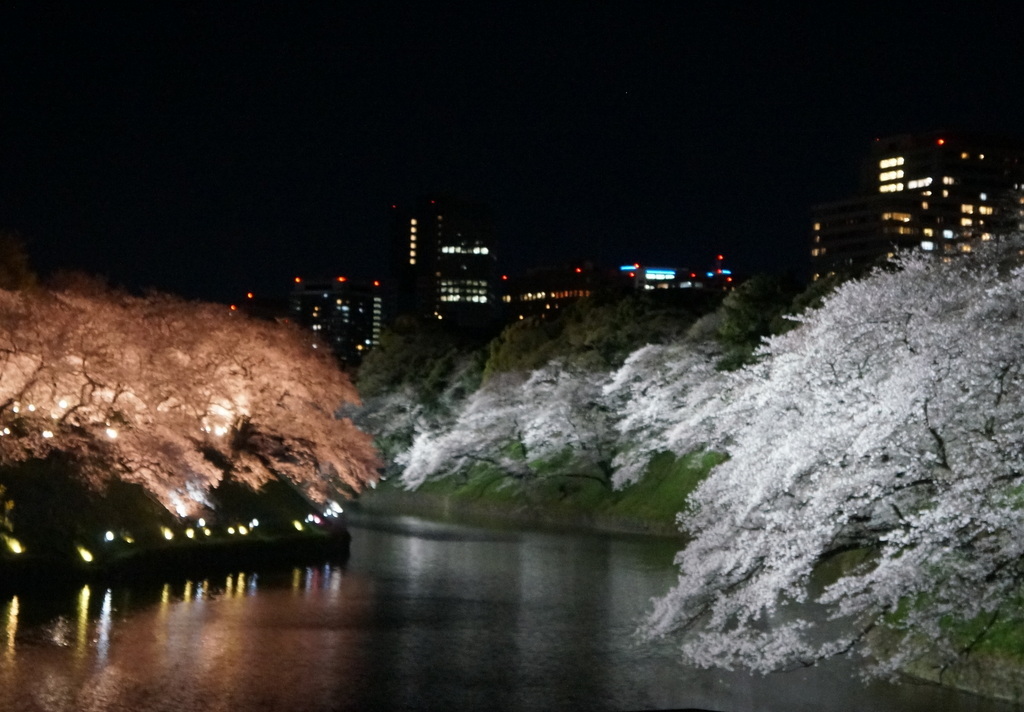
[423, 616]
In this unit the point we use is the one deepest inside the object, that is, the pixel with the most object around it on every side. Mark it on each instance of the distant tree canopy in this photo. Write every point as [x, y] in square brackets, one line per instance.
[15, 273]
[172, 395]
[592, 334]
[421, 355]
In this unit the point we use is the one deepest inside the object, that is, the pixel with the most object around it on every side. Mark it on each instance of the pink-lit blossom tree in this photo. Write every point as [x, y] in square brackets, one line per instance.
[172, 394]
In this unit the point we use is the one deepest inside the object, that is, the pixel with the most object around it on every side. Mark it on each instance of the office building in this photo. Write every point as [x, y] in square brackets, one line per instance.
[941, 192]
[444, 252]
[347, 315]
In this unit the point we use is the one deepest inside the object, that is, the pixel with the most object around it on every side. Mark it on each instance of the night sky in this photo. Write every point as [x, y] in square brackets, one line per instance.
[212, 148]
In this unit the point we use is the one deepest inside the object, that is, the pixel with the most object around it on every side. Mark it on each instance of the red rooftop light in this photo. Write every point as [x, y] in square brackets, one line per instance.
[342, 279]
[298, 280]
[578, 270]
[941, 141]
[249, 295]
[376, 283]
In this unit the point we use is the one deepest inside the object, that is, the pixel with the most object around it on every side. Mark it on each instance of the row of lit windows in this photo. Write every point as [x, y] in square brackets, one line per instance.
[901, 217]
[891, 162]
[475, 298]
[930, 246]
[412, 241]
[919, 183]
[564, 294]
[460, 250]
[463, 283]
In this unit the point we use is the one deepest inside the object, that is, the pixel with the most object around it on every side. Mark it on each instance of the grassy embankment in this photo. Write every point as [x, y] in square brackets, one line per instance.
[556, 499]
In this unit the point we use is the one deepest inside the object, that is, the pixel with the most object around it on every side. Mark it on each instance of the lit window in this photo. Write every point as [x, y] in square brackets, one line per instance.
[966, 222]
[891, 162]
[965, 155]
[928, 232]
[968, 209]
[927, 245]
[413, 221]
[919, 183]
[890, 188]
[924, 205]
[948, 233]
[890, 175]
[948, 180]
[817, 226]
[983, 196]
[986, 209]
[965, 247]
[412, 260]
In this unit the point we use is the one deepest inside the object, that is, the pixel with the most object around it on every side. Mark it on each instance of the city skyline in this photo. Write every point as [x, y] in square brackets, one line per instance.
[208, 152]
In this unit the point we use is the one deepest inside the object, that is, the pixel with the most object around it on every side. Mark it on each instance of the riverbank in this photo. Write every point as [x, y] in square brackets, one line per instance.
[55, 529]
[558, 501]
[171, 562]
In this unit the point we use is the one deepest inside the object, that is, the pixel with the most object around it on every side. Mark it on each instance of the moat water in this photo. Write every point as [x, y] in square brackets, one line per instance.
[423, 616]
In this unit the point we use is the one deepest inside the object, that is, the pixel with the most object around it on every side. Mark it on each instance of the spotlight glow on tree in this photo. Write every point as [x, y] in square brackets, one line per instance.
[169, 394]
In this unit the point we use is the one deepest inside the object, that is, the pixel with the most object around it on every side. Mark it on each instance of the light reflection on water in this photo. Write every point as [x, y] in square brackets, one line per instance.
[424, 616]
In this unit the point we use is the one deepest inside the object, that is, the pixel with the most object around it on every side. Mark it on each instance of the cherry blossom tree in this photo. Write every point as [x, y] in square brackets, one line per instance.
[518, 421]
[657, 388]
[171, 395]
[890, 422]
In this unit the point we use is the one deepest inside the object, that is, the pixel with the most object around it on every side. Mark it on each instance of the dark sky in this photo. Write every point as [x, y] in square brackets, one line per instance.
[210, 148]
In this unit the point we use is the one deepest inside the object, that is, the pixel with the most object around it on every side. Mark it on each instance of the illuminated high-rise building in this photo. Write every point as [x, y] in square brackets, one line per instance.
[347, 315]
[941, 192]
[444, 252]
